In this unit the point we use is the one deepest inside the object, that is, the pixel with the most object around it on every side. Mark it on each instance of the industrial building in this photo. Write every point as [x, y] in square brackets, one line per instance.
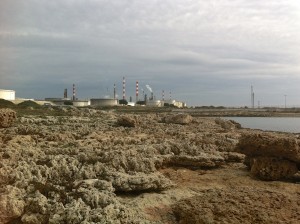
[175, 103]
[104, 102]
[7, 94]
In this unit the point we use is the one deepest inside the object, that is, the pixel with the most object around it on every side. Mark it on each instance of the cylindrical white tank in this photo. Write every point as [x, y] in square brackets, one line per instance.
[104, 102]
[81, 103]
[154, 103]
[7, 94]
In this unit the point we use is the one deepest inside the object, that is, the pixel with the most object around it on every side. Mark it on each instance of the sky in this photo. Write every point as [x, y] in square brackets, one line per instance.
[203, 52]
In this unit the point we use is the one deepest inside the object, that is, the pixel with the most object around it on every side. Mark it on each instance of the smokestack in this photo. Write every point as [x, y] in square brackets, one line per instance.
[252, 97]
[170, 95]
[163, 95]
[66, 93]
[115, 91]
[137, 91]
[124, 88]
[74, 92]
[152, 97]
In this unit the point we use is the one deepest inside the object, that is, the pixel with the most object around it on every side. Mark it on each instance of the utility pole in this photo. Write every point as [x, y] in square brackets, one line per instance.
[252, 97]
[285, 101]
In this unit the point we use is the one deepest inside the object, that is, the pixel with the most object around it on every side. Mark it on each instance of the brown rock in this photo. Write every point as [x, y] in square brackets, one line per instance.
[7, 117]
[271, 168]
[126, 121]
[270, 145]
[238, 205]
[178, 119]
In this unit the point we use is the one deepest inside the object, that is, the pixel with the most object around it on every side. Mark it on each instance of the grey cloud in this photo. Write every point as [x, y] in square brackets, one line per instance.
[171, 44]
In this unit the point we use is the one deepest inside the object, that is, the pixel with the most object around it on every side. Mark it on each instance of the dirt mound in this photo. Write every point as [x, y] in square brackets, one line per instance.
[238, 205]
[29, 104]
[6, 104]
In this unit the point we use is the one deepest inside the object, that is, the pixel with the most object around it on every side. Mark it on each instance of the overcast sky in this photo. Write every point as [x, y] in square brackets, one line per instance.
[204, 52]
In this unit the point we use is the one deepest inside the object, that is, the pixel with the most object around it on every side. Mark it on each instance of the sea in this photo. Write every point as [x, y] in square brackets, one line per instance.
[281, 124]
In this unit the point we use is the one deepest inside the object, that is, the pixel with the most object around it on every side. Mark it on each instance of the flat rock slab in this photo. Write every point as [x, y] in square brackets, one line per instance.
[270, 145]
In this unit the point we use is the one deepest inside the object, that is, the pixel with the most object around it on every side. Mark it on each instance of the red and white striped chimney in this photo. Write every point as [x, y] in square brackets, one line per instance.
[124, 96]
[74, 92]
[137, 91]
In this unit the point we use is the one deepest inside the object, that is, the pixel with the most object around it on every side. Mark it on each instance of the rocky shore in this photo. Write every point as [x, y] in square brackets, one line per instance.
[95, 166]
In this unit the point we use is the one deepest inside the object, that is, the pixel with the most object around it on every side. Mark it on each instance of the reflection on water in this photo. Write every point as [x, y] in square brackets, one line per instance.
[284, 124]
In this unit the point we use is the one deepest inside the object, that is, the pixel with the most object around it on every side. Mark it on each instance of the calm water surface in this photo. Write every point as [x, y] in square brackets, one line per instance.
[284, 124]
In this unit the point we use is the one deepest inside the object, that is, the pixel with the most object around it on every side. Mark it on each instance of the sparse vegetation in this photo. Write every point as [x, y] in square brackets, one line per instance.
[28, 103]
[6, 104]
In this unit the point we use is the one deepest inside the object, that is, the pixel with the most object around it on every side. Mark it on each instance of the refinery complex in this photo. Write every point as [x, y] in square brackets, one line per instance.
[141, 99]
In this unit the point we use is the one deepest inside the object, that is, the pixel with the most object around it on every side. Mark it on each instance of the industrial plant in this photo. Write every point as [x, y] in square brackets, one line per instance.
[140, 99]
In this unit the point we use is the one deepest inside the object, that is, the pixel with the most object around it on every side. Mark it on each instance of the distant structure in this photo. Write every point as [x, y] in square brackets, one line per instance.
[252, 97]
[137, 91]
[7, 94]
[115, 92]
[66, 93]
[163, 95]
[104, 102]
[74, 92]
[124, 96]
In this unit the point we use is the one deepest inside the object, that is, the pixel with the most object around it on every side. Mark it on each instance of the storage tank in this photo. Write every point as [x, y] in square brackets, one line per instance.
[81, 103]
[154, 103]
[104, 102]
[7, 94]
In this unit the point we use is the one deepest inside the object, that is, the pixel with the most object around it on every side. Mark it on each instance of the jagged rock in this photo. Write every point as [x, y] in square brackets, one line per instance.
[178, 119]
[270, 144]
[139, 182]
[11, 204]
[272, 168]
[7, 117]
[204, 161]
[126, 121]
[270, 156]
[227, 124]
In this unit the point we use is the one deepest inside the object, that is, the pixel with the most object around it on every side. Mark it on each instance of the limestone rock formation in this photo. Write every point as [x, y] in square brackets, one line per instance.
[272, 168]
[270, 156]
[238, 205]
[183, 119]
[126, 121]
[270, 144]
[7, 117]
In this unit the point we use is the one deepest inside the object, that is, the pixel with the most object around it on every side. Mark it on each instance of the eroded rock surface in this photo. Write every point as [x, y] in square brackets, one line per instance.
[271, 156]
[178, 119]
[7, 117]
[238, 205]
[79, 168]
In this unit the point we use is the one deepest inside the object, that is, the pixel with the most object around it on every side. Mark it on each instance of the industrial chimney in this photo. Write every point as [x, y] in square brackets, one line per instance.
[66, 93]
[137, 91]
[115, 94]
[74, 92]
[124, 96]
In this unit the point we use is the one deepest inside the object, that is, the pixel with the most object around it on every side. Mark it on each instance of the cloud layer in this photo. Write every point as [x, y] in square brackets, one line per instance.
[205, 52]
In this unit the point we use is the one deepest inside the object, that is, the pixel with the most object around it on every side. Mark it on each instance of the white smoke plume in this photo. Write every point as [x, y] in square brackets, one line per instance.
[149, 88]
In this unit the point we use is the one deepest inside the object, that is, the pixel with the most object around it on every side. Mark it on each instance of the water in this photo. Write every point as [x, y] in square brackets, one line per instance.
[283, 124]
